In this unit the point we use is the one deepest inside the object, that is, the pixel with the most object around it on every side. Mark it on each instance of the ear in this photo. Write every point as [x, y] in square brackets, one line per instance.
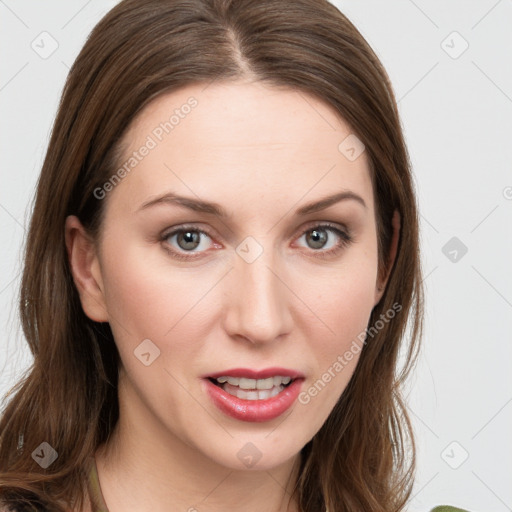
[384, 276]
[85, 268]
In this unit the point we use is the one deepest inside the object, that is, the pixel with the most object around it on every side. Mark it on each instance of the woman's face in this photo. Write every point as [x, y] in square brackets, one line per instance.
[255, 284]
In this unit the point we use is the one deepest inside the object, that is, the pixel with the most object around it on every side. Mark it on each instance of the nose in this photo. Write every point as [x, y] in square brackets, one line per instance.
[257, 303]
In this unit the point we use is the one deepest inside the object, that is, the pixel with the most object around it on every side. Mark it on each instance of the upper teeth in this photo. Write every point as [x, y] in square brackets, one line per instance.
[244, 383]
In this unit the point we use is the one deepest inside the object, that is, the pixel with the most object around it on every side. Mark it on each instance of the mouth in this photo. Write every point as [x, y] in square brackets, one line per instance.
[253, 395]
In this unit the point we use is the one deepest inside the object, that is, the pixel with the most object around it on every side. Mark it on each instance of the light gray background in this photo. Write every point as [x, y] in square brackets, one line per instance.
[457, 116]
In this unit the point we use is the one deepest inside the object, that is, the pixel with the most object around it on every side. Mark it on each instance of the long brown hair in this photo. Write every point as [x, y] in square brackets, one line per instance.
[363, 457]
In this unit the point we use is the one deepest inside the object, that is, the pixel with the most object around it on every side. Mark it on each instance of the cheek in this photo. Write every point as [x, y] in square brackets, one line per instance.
[345, 310]
[344, 307]
[141, 298]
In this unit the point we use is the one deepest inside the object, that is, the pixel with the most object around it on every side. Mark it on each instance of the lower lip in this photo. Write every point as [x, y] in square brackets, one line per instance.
[254, 410]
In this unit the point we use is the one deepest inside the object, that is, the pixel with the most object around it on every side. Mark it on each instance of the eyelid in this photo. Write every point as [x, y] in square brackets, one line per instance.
[324, 223]
[183, 227]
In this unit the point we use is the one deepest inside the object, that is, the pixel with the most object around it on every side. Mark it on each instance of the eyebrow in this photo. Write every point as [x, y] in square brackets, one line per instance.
[217, 210]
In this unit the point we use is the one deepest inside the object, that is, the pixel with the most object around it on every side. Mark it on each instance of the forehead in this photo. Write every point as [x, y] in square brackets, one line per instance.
[250, 139]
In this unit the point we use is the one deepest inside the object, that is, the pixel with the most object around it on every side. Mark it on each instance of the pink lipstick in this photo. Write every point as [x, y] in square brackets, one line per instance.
[254, 395]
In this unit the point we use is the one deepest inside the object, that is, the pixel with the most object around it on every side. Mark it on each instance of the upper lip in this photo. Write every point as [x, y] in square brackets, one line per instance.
[248, 373]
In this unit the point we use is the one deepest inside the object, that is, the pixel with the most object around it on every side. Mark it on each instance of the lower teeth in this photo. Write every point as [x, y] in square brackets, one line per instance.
[256, 394]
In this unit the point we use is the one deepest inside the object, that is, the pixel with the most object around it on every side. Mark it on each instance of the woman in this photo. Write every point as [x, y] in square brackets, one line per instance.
[222, 259]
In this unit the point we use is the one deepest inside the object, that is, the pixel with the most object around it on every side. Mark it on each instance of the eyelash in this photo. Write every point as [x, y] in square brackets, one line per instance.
[345, 240]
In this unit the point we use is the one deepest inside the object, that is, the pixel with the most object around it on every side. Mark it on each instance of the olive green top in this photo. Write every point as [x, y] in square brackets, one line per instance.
[99, 505]
[447, 508]
[97, 501]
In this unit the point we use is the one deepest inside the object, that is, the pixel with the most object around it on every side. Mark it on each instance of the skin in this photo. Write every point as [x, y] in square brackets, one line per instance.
[260, 152]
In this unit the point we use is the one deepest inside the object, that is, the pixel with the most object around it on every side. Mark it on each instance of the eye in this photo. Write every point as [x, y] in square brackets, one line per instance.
[188, 239]
[317, 237]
